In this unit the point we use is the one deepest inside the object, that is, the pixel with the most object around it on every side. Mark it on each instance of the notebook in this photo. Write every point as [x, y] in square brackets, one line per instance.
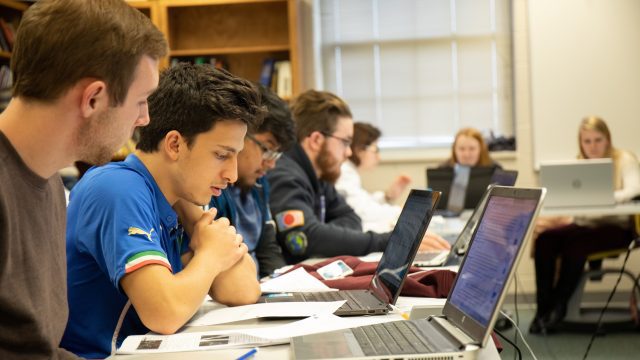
[459, 247]
[578, 182]
[459, 193]
[392, 269]
[458, 189]
[473, 304]
[461, 241]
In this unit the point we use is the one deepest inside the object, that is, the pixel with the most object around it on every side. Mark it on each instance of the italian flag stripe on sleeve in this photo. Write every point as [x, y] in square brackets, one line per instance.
[144, 258]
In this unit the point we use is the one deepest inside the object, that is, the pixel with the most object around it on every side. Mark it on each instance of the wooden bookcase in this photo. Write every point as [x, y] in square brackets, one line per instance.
[11, 11]
[240, 33]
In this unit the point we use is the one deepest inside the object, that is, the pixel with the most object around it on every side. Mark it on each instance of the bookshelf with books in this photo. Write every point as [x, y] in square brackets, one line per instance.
[246, 37]
[10, 14]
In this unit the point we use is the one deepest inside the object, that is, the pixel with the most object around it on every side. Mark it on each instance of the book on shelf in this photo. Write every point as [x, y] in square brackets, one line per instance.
[8, 33]
[4, 45]
[267, 72]
[200, 60]
[218, 63]
[284, 85]
[6, 80]
[6, 84]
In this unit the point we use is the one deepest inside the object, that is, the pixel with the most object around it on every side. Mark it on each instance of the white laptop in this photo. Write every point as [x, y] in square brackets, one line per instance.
[473, 304]
[578, 183]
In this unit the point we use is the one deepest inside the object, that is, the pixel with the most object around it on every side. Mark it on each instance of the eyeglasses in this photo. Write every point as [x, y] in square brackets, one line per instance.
[345, 142]
[267, 154]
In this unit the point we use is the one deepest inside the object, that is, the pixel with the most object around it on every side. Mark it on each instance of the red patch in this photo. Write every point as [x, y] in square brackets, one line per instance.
[288, 219]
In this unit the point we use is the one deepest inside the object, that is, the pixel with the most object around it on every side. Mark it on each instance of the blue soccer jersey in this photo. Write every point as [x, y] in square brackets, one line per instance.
[118, 221]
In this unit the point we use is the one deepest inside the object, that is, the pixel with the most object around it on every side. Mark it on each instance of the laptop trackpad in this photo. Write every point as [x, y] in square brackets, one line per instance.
[334, 344]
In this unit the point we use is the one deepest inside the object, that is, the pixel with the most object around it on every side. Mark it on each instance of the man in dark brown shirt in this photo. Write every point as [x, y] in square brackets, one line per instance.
[79, 92]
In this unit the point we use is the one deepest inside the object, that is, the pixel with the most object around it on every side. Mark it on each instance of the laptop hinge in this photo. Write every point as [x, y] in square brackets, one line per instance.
[462, 338]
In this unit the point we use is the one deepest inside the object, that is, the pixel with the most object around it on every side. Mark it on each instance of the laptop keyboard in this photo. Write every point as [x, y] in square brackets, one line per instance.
[334, 296]
[397, 337]
[427, 256]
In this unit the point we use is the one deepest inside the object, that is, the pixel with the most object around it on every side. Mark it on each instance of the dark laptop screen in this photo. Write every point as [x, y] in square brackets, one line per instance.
[403, 244]
[491, 255]
[441, 179]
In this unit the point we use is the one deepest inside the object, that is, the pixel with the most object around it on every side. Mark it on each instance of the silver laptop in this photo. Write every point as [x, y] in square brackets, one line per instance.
[392, 269]
[473, 304]
[463, 187]
[459, 247]
[578, 182]
[458, 190]
[461, 241]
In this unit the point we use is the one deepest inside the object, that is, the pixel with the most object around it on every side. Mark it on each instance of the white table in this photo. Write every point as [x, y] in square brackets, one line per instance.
[629, 208]
[278, 352]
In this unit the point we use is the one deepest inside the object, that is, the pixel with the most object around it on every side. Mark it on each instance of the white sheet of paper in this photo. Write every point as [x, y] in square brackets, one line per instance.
[371, 257]
[316, 324]
[254, 311]
[206, 340]
[238, 338]
[298, 280]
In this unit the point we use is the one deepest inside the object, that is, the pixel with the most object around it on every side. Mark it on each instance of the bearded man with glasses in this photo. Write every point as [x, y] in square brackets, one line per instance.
[246, 203]
[313, 219]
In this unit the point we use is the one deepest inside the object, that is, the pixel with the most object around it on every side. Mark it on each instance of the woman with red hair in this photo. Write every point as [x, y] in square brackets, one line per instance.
[469, 149]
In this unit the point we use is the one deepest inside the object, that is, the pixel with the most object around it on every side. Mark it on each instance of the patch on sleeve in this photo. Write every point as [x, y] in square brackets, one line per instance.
[289, 219]
[296, 243]
[144, 258]
[137, 231]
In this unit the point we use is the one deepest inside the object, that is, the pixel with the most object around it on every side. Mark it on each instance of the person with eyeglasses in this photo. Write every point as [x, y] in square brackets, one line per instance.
[246, 203]
[312, 218]
[376, 209]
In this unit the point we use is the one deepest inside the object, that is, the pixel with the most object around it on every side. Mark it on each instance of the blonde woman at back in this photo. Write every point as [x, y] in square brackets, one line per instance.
[572, 240]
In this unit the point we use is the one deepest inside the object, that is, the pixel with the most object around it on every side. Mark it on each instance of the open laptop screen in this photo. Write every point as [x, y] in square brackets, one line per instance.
[490, 258]
[441, 179]
[403, 244]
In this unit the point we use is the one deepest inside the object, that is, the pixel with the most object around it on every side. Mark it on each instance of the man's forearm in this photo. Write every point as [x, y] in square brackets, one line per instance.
[165, 301]
[238, 285]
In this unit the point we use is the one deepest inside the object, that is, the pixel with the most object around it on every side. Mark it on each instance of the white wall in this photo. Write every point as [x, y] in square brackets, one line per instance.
[414, 163]
[585, 60]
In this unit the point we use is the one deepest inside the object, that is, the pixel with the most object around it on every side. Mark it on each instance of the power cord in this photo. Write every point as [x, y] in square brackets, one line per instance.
[518, 352]
[606, 305]
[521, 336]
[515, 306]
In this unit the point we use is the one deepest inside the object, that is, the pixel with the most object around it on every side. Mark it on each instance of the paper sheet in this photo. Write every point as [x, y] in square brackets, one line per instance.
[298, 280]
[206, 340]
[371, 257]
[238, 338]
[316, 324]
[254, 311]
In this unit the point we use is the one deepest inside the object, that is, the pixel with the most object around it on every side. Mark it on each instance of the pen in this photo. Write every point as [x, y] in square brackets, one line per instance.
[249, 354]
